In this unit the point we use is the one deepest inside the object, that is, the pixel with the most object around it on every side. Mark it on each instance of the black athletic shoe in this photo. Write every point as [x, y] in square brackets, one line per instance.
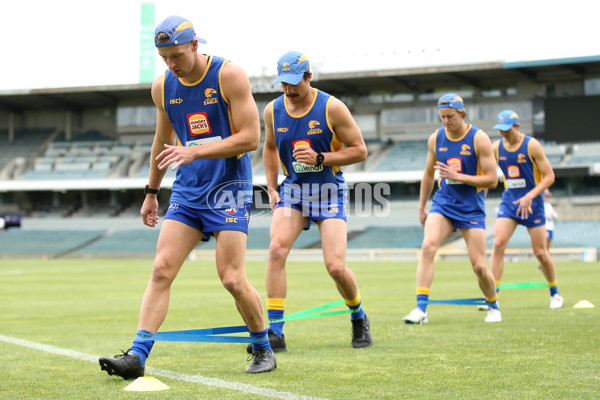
[361, 335]
[277, 343]
[126, 365]
[263, 360]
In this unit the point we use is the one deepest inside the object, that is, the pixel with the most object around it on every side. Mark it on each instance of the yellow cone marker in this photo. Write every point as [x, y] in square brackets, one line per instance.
[583, 304]
[146, 384]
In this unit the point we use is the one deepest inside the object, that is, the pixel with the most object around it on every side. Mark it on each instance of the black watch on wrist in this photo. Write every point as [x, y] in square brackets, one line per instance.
[149, 190]
[320, 159]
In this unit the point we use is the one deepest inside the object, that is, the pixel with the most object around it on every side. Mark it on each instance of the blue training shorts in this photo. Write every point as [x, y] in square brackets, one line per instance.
[535, 219]
[209, 220]
[475, 223]
[315, 208]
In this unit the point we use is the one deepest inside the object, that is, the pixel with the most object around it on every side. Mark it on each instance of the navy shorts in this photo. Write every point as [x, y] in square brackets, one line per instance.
[209, 220]
[459, 223]
[316, 207]
[534, 220]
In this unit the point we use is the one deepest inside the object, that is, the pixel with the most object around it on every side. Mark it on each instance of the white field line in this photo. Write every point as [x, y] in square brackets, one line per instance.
[240, 387]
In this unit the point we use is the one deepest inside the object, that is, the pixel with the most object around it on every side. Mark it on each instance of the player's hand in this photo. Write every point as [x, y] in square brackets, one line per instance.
[446, 171]
[274, 198]
[305, 154]
[422, 216]
[149, 211]
[177, 155]
[524, 209]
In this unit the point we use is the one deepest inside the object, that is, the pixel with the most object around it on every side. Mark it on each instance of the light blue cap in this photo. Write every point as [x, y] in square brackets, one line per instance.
[179, 30]
[506, 120]
[291, 68]
[451, 100]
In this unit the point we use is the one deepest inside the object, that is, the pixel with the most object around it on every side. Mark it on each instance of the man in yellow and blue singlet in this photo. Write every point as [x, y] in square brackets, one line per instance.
[311, 135]
[207, 122]
[527, 174]
[462, 153]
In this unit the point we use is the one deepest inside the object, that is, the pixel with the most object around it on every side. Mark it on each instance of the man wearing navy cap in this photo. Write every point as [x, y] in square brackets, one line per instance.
[311, 134]
[462, 154]
[206, 124]
[527, 174]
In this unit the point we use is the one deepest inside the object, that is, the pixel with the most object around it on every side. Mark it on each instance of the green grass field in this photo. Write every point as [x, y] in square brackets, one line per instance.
[58, 316]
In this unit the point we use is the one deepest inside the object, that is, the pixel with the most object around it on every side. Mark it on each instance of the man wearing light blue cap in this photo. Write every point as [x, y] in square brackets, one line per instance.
[527, 174]
[207, 123]
[462, 154]
[311, 135]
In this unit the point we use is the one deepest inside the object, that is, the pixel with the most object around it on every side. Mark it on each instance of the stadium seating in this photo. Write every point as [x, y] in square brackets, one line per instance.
[566, 234]
[585, 153]
[404, 156]
[554, 152]
[388, 237]
[123, 243]
[45, 243]
[27, 144]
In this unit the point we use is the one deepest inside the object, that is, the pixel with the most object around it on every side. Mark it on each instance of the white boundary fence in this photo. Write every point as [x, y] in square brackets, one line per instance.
[558, 254]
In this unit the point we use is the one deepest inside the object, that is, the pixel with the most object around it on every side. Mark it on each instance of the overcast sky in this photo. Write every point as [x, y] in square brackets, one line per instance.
[83, 43]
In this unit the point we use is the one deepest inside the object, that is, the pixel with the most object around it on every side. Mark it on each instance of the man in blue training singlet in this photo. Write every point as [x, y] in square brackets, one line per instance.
[206, 124]
[462, 153]
[310, 134]
[527, 174]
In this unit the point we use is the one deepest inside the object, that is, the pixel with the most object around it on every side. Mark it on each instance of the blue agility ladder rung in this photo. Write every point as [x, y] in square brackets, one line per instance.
[459, 302]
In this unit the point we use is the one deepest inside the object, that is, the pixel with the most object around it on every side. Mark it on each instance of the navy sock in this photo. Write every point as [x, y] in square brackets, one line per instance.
[493, 304]
[420, 298]
[360, 314]
[276, 327]
[142, 347]
[263, 343]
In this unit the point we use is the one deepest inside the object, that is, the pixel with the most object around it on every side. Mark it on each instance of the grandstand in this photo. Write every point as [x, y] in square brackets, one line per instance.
[73, 162]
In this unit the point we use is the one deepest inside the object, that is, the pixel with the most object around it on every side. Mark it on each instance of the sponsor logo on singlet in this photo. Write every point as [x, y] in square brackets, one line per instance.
[199, 124]
[513, 171]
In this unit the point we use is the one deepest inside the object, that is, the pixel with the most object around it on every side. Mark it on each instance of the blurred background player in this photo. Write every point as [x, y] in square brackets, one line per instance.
[311, 135]
[527, 174]
[462, 153]
[205, 106]
[550, 214]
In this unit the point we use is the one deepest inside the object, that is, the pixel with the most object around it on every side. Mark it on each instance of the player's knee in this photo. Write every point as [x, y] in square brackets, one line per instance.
[500, 244]
[278, 251]
[479, 268]
[162, 272]
[336, 269]
[541, 254]
[428, 250]
[232, 283]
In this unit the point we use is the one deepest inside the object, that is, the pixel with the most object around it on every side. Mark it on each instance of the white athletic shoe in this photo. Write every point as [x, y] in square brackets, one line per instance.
[493, 315]
[556, 301]
[416, 316]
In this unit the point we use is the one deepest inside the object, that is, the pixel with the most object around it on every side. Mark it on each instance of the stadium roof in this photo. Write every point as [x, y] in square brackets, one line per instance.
[401, 80]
